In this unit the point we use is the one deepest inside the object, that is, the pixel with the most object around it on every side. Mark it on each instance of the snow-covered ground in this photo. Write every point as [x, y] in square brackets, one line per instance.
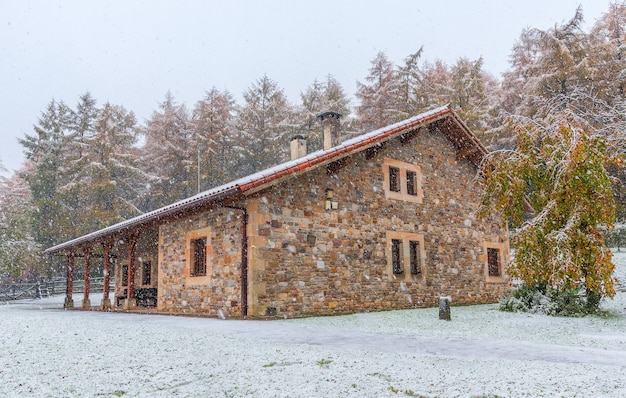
[48, 352]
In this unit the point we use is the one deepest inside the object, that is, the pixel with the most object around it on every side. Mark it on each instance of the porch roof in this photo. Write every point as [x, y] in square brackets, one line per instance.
[466, 143]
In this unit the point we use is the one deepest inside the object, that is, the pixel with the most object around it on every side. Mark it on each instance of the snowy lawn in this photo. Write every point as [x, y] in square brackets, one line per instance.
[48, 352]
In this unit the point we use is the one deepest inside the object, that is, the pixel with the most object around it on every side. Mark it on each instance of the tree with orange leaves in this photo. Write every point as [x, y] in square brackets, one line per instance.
[560, 171]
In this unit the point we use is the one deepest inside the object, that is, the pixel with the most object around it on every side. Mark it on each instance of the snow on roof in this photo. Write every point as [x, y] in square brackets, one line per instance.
[272, 175]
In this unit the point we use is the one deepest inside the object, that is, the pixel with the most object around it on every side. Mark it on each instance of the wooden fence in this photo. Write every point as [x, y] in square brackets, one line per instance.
[33, 290]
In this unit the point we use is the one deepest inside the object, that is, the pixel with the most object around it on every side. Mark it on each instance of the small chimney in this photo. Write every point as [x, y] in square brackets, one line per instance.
[331, 128]
[298, 147]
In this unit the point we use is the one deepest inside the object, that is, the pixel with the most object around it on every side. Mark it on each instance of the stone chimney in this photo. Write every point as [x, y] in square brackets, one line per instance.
[298, 147]
[331, 128]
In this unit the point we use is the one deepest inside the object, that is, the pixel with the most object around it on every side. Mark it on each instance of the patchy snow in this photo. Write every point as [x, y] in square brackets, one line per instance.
[48, 352]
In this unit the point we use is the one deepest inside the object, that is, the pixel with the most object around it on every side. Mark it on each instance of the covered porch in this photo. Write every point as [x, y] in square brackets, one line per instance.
[129, 260]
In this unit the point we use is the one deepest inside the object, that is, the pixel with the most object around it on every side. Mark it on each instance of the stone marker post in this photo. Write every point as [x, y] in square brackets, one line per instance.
[444, 308]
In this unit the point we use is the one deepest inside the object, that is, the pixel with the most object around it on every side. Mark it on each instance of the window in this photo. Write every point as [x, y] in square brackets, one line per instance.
[493, 261]
[199, 257]
[414, 257]
[495, 257]
[394, 179]
[124, 275]
[147, 273]
[405, 249]
[198, 254]
[402, 181]
[411, 183]
[396, 256]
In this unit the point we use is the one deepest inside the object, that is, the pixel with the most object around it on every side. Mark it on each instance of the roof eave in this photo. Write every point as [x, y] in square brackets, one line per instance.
[144, 220]
[274, 175]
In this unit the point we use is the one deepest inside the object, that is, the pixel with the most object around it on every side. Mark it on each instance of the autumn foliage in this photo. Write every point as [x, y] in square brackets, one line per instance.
[555, 192]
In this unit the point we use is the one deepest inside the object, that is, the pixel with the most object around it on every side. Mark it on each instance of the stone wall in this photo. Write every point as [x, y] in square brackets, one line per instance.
[220, 289]
[305, 259]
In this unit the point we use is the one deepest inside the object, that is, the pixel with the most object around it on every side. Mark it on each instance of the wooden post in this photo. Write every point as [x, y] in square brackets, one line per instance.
[131, 302]
[86, 280]
[106, 263]
[69, 285]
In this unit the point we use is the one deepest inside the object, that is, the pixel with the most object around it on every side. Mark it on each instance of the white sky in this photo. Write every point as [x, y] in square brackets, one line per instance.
[132, 52]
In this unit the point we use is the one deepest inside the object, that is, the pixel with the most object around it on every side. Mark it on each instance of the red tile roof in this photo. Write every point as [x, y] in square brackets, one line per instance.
[448, 122]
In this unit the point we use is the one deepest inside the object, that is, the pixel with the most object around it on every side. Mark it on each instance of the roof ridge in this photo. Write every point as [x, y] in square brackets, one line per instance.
[262, 178]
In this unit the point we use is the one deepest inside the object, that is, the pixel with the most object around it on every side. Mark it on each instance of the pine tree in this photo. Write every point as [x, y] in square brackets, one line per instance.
[20, 255]
[551, 70]
[81, 123]
[608, 55]
[320, 97]
[263, 126]
[436, 84]
[412, 97]
[73, 178]
[474, 95]
[212, 124]
[46, 149]
[107, 183]
[169, 154]
[378, 107]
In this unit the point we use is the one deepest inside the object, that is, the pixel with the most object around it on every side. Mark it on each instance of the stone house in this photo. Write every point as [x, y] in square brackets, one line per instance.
[381, 221]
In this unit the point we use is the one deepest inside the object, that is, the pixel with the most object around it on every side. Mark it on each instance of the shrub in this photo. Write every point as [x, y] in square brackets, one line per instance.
[539, 300]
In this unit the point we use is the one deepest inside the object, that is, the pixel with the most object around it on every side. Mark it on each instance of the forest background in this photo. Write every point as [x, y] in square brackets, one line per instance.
[98, 161]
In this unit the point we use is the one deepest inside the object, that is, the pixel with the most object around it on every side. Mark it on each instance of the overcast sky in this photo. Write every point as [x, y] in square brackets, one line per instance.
[132, 52]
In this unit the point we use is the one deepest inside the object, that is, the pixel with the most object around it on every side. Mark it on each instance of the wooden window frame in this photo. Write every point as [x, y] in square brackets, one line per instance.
[413, 256]
[409, 191]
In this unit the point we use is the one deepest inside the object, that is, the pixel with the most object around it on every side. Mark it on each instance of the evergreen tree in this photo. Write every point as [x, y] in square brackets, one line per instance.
[551, 70]
[46, 149]
[20, 255]
[81, 124]
[412, 93]
[320, 97]
[263, 126]
[104, 188]
[473, 94]
[378, 107]
[608, 55]
[74, 179]
[212, 124]
[82, 161]
[436, 85]
[169, 154]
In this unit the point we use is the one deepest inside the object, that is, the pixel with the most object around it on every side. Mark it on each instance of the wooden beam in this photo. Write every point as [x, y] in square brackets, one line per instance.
[86, 279]
[107, 245]
[466, 152]
[131, 302]
[69, 284]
